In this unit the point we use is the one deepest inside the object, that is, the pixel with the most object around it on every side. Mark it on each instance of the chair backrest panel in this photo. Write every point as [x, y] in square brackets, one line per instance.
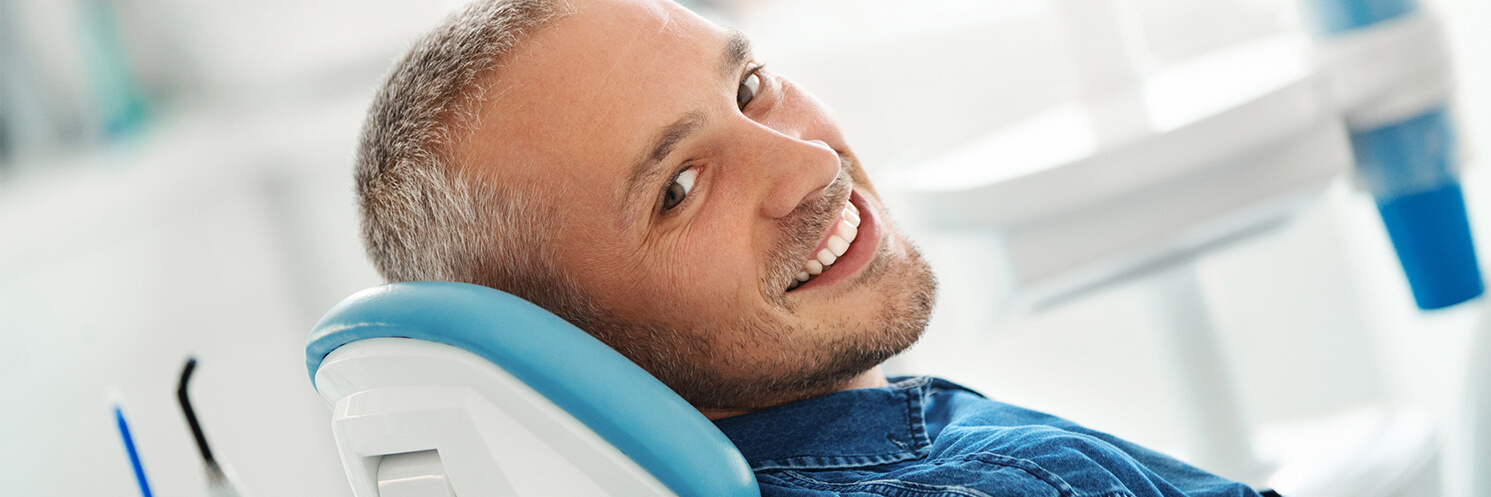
[619, 401]
[489, 433]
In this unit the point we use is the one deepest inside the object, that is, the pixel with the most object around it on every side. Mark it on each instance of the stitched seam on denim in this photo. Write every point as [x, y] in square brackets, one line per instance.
[921, 445]
[903, 486]
[833, 462]
[1026, 465]
[1033, 469]
[916, 419]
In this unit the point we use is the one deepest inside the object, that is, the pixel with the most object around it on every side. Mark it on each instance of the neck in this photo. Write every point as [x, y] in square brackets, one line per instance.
[873, 378]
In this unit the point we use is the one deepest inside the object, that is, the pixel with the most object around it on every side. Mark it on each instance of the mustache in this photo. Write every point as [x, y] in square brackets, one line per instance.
[803, 228]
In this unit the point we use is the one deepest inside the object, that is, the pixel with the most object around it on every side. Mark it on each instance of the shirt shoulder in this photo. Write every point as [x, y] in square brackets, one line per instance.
[1024, 461]
[1071, 464]
[1069, 449]
[966, 477]
[925, 436]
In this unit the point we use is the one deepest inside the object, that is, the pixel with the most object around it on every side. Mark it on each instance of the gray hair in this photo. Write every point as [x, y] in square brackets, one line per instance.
[423, 217]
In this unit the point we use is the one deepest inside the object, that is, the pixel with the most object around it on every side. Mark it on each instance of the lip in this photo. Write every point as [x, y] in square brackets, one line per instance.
[861, 250]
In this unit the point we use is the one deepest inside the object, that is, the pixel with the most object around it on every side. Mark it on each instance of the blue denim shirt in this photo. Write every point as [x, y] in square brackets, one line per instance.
[926, 436]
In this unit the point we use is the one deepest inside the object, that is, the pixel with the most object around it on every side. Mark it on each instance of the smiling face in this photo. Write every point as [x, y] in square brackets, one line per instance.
[695, 191]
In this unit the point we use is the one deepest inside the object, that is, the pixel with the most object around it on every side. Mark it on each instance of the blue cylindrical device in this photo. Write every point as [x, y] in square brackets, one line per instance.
[1336, 16]
[1409, 166]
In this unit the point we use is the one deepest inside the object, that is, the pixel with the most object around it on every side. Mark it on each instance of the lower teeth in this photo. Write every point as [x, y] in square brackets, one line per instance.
[794, 284]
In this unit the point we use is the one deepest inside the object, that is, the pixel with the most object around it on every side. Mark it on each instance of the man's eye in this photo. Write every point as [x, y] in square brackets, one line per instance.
[747, 91]
[679, 189]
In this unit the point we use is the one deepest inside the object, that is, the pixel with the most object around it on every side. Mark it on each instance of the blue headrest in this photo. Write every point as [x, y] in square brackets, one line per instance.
[598, 386]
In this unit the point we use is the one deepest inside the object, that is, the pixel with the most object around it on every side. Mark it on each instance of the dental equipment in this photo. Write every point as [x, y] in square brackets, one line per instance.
[1387, 63]
[129, 442]
[1387, 67]
[1112, 154]
[221, 482]
[1136, 178]
[451, 389]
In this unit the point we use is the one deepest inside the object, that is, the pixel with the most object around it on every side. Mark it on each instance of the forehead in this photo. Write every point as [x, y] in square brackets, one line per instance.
[579, 99]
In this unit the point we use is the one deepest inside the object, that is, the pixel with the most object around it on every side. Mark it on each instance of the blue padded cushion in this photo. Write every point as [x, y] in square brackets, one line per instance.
[618, 400]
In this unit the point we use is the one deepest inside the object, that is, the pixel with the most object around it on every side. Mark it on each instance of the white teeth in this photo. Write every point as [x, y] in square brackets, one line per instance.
[826, 257]
[846, 231]
[838, 246]
[838, 243]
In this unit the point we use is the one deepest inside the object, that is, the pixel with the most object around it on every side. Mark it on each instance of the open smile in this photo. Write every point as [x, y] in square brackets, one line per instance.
[846, 248]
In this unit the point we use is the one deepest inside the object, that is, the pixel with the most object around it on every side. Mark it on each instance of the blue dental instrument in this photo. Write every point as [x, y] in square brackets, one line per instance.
[129, 446]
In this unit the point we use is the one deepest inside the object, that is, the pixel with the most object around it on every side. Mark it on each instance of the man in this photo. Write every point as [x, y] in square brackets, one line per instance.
[632, 168]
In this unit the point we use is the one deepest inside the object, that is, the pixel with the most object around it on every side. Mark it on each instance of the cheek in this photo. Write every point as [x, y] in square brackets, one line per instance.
[715, 260]
[709, 268]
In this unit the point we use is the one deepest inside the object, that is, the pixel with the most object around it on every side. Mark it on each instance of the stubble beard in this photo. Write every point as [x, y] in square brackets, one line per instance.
[763, 361]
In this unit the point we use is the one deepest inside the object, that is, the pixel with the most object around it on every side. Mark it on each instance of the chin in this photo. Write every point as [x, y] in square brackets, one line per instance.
[890, 310]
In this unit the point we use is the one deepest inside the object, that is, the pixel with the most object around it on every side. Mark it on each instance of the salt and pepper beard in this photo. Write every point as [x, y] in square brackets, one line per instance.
[721, 368]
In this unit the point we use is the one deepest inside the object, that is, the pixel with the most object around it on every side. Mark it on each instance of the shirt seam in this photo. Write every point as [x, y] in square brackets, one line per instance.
[916, 423]
[920, 443]
[859, 461]
[809, 481]
[1029, 467]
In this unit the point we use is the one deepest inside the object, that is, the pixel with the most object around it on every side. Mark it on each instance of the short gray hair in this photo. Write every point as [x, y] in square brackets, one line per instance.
[424, 218]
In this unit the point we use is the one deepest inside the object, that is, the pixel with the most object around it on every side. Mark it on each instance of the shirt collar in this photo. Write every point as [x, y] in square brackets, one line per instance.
[852, 428]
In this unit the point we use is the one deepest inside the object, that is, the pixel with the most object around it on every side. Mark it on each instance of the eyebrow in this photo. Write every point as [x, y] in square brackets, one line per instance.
[648, 167]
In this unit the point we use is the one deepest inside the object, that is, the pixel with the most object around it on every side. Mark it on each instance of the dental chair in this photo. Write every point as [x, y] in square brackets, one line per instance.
[450, 389]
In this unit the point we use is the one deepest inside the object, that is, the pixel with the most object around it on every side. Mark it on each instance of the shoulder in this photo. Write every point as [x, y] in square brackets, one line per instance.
[1074, 463]
[1080, 463]
[966, 478]
[1014, 462]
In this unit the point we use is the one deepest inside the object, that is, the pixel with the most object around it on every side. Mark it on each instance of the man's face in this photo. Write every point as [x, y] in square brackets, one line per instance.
[693, 188]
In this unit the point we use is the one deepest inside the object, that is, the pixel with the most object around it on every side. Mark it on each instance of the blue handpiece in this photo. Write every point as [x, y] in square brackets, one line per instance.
[1409, 168]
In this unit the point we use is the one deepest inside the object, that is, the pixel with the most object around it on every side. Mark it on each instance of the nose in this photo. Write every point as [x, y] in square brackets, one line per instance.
[792, 171]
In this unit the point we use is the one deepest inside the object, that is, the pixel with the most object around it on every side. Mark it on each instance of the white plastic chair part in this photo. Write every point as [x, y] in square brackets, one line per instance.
[413, 474]
[515, 400]
[1389, 73]
[1075, 222]
[495, 435]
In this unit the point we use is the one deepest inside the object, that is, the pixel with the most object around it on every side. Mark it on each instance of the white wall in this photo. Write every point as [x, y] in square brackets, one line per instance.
[223, 241]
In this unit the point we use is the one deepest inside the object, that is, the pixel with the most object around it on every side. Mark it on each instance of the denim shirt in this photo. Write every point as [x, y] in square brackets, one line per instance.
[927, 436]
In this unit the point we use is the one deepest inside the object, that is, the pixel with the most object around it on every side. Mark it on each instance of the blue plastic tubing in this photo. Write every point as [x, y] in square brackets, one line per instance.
[1409, 167]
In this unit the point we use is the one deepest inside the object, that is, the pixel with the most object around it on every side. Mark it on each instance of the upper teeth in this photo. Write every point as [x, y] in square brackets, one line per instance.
[838, 243]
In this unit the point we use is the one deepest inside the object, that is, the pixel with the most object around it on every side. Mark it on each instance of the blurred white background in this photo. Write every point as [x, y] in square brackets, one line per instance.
[175, 180]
